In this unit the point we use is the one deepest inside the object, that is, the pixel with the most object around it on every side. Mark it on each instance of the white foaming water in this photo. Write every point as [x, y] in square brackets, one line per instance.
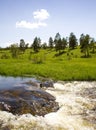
[77, 101]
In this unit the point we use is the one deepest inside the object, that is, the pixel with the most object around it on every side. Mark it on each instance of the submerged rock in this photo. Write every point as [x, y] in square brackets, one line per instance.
[42, 84]
[20, 100]
[46, 84]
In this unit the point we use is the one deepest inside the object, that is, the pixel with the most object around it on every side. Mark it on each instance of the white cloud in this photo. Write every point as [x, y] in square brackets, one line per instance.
[25, 24]
[39, 15]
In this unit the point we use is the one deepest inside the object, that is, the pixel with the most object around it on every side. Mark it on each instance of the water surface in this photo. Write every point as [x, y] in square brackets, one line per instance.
[77, 102]
[11, 82]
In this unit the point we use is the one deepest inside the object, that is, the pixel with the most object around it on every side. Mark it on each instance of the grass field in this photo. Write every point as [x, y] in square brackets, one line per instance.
[48, 64]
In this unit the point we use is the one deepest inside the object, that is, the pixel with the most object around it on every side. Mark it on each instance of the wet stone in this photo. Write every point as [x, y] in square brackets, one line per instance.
[20, 100]
[43, 84]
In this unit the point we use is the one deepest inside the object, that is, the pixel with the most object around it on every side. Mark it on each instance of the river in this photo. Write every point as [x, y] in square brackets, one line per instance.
[77, 102]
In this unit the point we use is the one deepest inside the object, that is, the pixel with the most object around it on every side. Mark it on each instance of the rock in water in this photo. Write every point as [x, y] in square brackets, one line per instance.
[46, 84]
[21, 101]
[42, 84]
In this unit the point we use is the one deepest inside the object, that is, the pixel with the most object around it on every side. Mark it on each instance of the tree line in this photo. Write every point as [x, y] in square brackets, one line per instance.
[86, 43]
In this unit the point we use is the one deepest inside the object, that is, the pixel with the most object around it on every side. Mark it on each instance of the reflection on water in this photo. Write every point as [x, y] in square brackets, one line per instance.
[77, 101]
[9, 82]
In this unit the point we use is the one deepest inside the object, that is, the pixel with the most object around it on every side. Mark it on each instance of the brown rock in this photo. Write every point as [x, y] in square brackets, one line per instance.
[21, 101]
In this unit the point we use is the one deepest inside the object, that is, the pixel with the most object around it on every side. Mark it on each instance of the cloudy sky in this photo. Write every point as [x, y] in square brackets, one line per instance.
[44, 18]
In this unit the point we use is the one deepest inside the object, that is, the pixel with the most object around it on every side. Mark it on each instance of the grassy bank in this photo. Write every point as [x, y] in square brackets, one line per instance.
[49, 65]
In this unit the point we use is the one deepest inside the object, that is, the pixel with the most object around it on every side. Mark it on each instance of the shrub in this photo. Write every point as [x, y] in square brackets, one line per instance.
[38, 59]
[4, 56]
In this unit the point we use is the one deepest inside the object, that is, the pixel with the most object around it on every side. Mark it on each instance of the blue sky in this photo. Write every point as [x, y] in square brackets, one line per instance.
[44, 18]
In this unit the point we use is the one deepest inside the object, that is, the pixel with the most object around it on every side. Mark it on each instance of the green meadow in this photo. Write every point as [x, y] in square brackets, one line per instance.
[47, 63]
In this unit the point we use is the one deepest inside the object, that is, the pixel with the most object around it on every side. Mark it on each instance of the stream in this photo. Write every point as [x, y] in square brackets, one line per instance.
[77, 109]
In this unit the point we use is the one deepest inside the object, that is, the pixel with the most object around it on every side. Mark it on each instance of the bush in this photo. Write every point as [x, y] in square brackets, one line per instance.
[4, 56]
[38, 59]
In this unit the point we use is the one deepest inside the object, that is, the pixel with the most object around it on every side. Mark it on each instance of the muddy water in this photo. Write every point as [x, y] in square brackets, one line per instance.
[77, 101]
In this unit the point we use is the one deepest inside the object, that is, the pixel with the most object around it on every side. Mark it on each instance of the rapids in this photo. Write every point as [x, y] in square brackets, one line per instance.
[77, 102]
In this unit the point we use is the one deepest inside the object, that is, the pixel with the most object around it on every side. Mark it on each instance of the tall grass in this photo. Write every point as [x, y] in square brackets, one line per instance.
[46, 64]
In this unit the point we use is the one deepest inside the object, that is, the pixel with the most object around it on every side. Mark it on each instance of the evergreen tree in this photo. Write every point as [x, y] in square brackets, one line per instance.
[64, 43]
[36, 44]
[85, 44]
[51, 43]
[44, 45]
[58, 42]
[72, 41]
[22, 45]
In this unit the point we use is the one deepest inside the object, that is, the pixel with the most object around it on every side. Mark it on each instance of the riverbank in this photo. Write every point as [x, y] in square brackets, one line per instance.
[76, 69]
[47, 65]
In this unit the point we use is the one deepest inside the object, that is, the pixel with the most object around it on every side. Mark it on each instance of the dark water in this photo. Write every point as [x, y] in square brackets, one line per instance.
[24, 95]
[11, 82]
